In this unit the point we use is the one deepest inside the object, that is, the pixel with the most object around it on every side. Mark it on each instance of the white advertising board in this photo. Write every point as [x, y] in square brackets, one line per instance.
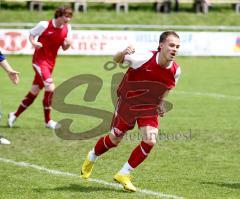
[91, 42]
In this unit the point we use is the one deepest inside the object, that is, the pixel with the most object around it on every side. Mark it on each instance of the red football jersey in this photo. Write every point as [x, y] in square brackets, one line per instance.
[144, 86]
[51, 38]
[144, 68]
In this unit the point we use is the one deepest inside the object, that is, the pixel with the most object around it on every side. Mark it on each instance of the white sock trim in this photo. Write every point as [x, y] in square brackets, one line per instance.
[92, 155]
[144, 152]
[126, 169]
[105, 143]
[23, 105]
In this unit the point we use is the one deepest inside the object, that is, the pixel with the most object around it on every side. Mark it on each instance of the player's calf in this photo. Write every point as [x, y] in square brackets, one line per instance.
[103, 145]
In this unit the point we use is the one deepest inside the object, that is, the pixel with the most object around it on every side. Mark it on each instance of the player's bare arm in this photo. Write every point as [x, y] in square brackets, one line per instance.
[35, 43]
[67, 44]
[119, 57]
[13, 75]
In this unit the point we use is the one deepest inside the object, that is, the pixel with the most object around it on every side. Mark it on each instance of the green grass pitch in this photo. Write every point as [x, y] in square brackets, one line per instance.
[197, 155]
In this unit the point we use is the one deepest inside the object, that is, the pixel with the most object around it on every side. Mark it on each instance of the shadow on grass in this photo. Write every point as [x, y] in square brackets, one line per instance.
[80, 188]
[230, 185]
[7, 127]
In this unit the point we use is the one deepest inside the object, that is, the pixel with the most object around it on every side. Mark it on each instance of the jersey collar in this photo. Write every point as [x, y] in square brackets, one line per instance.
[54, 24]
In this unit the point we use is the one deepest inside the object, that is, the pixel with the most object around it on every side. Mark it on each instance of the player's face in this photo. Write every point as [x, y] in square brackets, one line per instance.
[66, 18]
[170, 47]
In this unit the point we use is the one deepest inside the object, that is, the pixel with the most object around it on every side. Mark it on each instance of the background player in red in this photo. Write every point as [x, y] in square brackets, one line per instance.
[148, 70]
[14, 76]
[52, 35]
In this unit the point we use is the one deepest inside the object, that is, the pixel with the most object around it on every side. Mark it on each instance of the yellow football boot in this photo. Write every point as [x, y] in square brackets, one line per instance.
[87, 168]
[125, 180]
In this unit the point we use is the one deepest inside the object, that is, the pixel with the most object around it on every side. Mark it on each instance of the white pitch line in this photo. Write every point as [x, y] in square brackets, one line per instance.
[56, 172]
[215, 95]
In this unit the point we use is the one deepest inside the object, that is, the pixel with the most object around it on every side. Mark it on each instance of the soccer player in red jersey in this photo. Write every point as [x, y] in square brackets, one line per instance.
[52, 35]
[14, 77]
[140, 99]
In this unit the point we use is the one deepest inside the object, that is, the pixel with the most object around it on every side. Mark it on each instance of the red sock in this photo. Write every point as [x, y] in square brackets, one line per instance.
[26, 102]
[47, 102]
[139, 154]
[103, 145]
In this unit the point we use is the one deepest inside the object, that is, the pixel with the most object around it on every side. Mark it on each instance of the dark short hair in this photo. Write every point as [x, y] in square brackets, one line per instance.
[63, 11]
[165, 35]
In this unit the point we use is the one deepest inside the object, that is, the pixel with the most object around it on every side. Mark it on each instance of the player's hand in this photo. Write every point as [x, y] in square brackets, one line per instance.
[67, 43]
[37, 45]
[161, 109]
[14, 76]
[129, 50]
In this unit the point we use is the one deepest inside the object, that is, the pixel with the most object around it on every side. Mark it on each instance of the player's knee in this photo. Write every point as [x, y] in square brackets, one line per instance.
[35, 90]
[115, 140]
[50, 87]
[149, 135]
[151, 138]
[150, 142]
